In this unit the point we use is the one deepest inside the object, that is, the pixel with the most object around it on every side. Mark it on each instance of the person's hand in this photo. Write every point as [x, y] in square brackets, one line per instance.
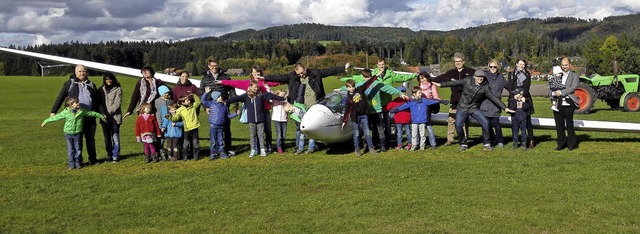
[173, 124]
[509, 110]
[159, 136]
[207, 89]
[343, 125]
[336, 90]
[52, 114]
[238, 111]
[436, 84]
[444, 102]
[346, 66]
[138, 139]
[42, 125]
[163, 129]
[404, 96]
[259, 77]
[126, 114]
[207, 110]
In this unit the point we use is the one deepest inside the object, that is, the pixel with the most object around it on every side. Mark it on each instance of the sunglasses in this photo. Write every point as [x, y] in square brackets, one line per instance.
[493, 66]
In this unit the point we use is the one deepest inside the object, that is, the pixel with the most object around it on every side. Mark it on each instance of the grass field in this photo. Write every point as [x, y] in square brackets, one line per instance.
[593, 189]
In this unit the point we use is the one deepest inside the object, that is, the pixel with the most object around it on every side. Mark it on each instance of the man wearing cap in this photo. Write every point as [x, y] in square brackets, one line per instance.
[474, 92]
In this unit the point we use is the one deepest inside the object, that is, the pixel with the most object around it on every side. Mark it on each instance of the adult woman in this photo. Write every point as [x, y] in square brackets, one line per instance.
[492, 112]
[564, 116]
[111, 94]
[146, 90]
[184, 87]
[521, 78]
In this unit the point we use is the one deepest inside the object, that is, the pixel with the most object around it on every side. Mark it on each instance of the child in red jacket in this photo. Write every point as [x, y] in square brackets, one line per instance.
[402, 119]
[148, 132]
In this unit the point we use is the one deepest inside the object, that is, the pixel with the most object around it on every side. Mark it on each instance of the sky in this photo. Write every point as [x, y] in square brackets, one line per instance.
[35, 22]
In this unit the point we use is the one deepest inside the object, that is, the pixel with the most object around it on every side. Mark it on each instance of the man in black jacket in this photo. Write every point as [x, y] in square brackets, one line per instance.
[79, 86]
[458, 73]
[312, 78]
[209, 80]
[474, 92]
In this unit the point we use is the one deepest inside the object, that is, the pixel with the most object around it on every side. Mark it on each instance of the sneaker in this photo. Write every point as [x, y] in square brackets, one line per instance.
[213, 156]
[310, 151]
[412, 149]
[224, 156]
[298, 152]
[398, 147]
[434, 147]
[357, 153]
[554, 108]
[487, 147]
[500, 145]
[524, 147]
[373, 152]
[280, 151]
[252, 153]
[72, 168]
[463, 147]
[408, 147]
[263, 152]
[514, 146]
[231, 153]
[448, 143]
[423, 147]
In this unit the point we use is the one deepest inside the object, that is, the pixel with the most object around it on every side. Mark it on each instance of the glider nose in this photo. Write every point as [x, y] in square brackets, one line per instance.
[322, 124]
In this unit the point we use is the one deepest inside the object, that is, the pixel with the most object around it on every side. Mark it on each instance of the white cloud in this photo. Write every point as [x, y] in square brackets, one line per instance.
[52, 21]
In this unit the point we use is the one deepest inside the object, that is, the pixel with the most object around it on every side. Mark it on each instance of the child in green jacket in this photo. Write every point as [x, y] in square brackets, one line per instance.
[73, 116]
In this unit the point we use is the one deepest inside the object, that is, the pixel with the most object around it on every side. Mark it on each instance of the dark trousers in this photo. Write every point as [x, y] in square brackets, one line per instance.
[564, 122]
[495, 130]
[376, 124]
[227, 135]
[89, 134]
[191, 141]
[530, 128]
[518, 127]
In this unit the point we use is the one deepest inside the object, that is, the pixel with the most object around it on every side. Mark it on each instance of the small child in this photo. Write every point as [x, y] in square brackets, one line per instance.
[172, 133]
[555, 83]
[402, 119]
[161, 110]
[420, 118]
[147, 129]
[356, 109]
[279, 117]
[218, 117]
[519, 118]
[73, 116]
[188, 114]
[254, 102]
[429, 90]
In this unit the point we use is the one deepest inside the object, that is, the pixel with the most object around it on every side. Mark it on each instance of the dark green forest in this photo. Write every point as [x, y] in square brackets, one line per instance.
[593, 44]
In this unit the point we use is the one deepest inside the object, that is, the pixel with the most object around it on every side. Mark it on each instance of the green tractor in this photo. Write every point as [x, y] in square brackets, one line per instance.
[617, 91]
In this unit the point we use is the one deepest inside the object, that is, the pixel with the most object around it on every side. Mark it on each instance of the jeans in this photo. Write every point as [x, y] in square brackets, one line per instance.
[462, 116]
[281, 134]
[256, 135]
[74, 149]
[362, 123]
[519, 127]
[111, 132]
[399, 130]
[191, 141]
[417, 130]
[89, 133]
[216, 139]
[495, 130]
[431, 134]
[300, 140]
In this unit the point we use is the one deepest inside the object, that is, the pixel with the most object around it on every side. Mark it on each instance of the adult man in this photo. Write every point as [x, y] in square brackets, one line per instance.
[474, 92]
[564, 116]
[381, 120]
[458, 73]
[312, 80]
[209, 80]
[80, 87]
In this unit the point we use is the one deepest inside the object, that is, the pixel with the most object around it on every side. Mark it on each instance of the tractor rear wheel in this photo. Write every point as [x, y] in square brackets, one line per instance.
[632, 102]
[586, 97]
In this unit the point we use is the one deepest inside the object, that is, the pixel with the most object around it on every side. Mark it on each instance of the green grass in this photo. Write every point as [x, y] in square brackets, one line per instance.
[592, 189]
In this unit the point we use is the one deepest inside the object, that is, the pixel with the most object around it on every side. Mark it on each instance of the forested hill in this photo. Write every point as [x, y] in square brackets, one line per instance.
[563, 29]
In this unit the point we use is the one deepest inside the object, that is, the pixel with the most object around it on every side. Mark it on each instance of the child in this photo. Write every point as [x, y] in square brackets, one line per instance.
[147, 129]
[254, 102]
[519, 118]
[429, 90]
[161, 110]
[402, 119]
[555, 83]
[172, 133]
[187, 113]
[218, 117]
[356, 109]
[73, 116]
[279, 117]
[419, 120]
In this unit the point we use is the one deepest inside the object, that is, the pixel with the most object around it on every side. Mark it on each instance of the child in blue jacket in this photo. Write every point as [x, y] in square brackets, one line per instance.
[420, 118]
[172, 133]
[218, 117]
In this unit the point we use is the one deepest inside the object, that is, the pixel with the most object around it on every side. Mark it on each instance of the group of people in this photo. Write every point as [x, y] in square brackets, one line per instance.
[167, 123]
